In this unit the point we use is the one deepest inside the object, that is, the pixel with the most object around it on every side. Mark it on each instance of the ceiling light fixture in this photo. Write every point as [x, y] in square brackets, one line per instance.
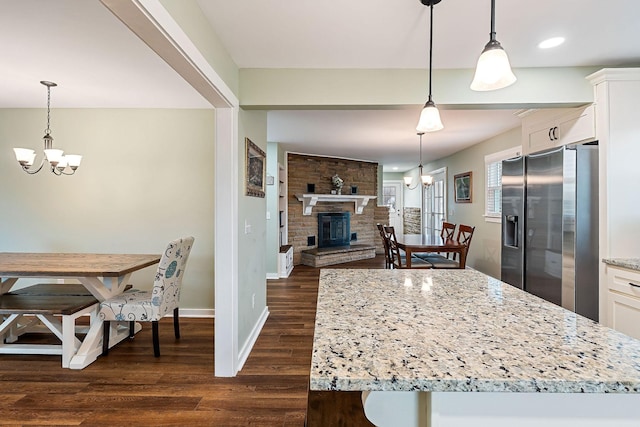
[552, 42]
[426, 180]
[493, 70]
[430, 116]
[58, 161]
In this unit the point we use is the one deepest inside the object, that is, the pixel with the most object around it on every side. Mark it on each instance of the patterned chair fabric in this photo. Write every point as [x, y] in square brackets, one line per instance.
[151, 306]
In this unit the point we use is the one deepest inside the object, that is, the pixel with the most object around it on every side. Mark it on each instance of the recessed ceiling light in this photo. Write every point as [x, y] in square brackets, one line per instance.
[395, 168]
[552, 42]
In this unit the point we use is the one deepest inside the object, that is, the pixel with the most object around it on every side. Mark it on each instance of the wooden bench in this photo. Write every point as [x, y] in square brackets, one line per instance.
[26, 310]
[51, 289]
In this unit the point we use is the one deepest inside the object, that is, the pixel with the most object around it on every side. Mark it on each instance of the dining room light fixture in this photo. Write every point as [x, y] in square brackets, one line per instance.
[493, 70]
[430, 116]
[59, 162]
[426, 180]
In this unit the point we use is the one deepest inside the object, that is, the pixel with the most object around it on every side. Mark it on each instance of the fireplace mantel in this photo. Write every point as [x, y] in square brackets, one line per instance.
[310, 200]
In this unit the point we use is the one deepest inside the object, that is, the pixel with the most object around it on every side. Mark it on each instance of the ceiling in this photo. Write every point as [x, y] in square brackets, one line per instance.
[98, 62]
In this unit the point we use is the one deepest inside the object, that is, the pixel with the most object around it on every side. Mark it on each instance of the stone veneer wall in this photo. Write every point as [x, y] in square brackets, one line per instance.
[380, 215]
[305, 169]
[411, 221]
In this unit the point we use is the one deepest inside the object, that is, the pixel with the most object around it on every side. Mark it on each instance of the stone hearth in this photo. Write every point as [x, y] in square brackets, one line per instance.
[337, 255]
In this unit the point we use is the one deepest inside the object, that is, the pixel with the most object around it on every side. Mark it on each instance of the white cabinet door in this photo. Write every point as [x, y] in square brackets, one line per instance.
[570, 126]
[624, 314]
[576, 127]
[623, 300]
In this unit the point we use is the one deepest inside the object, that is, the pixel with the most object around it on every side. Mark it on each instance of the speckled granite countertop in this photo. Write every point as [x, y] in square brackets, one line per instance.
[459, 330]
[632, 263]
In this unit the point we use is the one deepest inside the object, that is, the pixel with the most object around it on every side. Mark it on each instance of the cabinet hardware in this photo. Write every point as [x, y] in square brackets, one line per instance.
[555, 133]
[634, 285]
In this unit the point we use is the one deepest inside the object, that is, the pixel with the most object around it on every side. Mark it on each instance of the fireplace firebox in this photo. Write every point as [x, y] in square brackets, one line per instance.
[334, 229]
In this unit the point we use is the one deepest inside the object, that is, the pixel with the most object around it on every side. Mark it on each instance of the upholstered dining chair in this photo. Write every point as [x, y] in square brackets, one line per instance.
[150, 306]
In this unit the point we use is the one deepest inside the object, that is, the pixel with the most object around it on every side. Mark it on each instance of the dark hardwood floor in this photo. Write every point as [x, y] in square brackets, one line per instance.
[130, 387]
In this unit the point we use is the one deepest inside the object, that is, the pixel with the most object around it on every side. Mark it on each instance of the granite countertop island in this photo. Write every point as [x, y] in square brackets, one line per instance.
[630, 263]
[459, 331]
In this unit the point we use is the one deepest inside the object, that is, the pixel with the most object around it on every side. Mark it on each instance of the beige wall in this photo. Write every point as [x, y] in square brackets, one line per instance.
[484, 252]
[146, 178]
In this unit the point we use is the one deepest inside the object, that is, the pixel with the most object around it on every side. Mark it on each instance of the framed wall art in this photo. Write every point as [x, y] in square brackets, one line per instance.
[256, 169]
[462, 184]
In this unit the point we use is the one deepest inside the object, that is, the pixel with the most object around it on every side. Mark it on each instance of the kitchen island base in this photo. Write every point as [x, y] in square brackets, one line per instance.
[501, 409]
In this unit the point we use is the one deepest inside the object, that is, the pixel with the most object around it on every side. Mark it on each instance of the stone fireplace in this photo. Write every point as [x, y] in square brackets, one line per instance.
[312, 174]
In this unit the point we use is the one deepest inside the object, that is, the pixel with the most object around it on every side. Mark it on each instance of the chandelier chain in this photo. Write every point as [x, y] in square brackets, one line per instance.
[47, 130]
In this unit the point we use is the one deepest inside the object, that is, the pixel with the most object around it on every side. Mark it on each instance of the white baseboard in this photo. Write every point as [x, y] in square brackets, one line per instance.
[272, 276]
[197, 312]
[251, 340]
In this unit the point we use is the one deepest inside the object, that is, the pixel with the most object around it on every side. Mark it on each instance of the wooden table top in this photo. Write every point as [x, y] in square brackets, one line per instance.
[25, 264]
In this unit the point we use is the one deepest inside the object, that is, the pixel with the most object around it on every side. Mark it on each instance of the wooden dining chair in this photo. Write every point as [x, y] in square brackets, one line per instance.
[465, 233]
[448, 230]
[398, 257]
[446, 233]
[385, 245]
[151, 306]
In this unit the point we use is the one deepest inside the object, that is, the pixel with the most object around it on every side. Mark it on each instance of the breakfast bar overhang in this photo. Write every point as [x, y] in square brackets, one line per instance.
[447, 348]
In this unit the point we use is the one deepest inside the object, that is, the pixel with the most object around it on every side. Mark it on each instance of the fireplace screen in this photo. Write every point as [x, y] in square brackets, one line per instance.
[334, 229]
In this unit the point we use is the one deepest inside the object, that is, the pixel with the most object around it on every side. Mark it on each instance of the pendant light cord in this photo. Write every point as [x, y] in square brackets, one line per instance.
[431, 49]
[492, 34]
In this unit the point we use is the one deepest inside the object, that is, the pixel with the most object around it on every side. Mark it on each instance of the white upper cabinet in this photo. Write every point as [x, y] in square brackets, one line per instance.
[547, 129]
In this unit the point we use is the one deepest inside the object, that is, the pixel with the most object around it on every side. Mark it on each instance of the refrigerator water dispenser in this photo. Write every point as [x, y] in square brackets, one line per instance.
[510, 231]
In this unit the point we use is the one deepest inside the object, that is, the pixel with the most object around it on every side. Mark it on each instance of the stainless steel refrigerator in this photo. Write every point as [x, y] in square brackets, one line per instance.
[550, 226]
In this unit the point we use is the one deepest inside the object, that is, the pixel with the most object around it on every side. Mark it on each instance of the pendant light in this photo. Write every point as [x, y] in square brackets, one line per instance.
[426, 180]
[493, 70]
[430, 116]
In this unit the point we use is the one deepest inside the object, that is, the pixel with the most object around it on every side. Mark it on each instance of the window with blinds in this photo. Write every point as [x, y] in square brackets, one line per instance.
[494, 189]
[493, 182]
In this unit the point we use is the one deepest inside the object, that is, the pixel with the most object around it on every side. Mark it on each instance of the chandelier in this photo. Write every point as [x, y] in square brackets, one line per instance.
[60, 163]
[426, 180]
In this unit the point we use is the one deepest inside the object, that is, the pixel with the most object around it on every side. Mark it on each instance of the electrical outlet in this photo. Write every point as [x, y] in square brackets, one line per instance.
[247, 227]
[268, 215]
[253, 301]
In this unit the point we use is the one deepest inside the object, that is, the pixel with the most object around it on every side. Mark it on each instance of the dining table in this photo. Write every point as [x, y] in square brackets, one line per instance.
[431, 243]
[104, 275]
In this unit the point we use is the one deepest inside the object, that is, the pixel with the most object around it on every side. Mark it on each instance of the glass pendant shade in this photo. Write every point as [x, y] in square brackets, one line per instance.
[429, 118]
[407, 181]
[426, 179]
[54, 156]
[73, 160]
[493, 70]
[24, 156]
